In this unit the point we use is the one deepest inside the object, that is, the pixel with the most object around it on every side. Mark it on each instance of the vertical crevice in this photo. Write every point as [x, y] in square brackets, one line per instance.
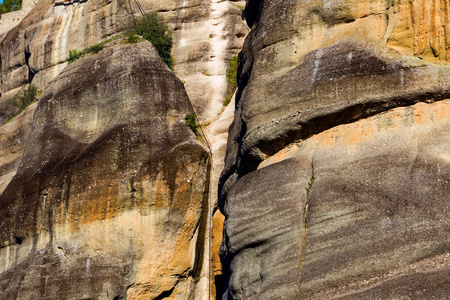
[31, 72]
[308, 189]
[202, 228]
[219, 282]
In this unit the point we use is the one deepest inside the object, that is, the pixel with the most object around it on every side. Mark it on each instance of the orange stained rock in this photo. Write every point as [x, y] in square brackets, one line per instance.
[414, 28]
[421, 114]
[216, 240]
[421, 28]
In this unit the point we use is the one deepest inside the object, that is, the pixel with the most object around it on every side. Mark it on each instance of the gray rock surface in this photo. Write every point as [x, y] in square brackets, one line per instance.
[263, 232]
[338, 90]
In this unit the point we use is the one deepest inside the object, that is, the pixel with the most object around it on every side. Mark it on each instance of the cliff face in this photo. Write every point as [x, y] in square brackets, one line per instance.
[336, 175]
[335, 181]
[112, 186]
[206, 35]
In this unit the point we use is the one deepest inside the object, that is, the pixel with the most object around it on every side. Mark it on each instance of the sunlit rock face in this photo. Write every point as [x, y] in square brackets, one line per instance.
[206, 35]
[336, 176]
[108, 200]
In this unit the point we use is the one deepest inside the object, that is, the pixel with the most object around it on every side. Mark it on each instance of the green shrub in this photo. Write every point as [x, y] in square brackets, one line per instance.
[27, 97]
[95, 48]
[9, 6]
[74, 55]
[227, 100]
[231, 79]
[131, 38]
[153, 29]
[191, 121]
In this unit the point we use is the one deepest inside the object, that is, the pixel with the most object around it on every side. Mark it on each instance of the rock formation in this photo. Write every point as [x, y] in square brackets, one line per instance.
[9, 20]
[336, 176]
[111, 189]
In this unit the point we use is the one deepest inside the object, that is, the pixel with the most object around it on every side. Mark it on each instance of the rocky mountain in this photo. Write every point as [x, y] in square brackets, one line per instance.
[330, 164]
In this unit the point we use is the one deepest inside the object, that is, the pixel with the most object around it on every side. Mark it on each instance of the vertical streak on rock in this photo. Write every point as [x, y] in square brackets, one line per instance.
[444, 7]
[65, 38]
[421, 17]
[434, 32]
[413, 26]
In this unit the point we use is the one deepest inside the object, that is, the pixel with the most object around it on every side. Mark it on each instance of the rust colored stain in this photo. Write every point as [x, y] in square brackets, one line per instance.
[422, 28]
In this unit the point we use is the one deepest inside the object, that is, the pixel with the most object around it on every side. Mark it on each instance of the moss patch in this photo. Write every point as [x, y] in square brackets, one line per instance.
[231, 79]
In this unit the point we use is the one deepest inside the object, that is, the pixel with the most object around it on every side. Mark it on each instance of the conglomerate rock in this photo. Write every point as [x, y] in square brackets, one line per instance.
[108, 200]
[336, 176]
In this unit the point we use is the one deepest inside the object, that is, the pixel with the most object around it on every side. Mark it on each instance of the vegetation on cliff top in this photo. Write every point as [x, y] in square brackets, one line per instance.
[153, 29]
[75, 54]
[149, 27]
[25, 99]
[9, 6]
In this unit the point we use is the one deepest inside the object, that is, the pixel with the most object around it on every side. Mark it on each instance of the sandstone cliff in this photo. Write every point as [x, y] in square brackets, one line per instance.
[112, 186]
[336, 176]
[335, 182]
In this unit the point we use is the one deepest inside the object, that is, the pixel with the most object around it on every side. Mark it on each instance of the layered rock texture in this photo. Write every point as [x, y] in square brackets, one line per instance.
[109, 199]
[336, 176]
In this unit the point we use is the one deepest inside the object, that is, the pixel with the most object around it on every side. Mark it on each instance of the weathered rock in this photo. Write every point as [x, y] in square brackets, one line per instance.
[358, 210]
[263, 232]
[203, 46]
[206, 35]
[217, 133]
[108, 201]
[322, 67]
[378, 219]
[12, 137]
